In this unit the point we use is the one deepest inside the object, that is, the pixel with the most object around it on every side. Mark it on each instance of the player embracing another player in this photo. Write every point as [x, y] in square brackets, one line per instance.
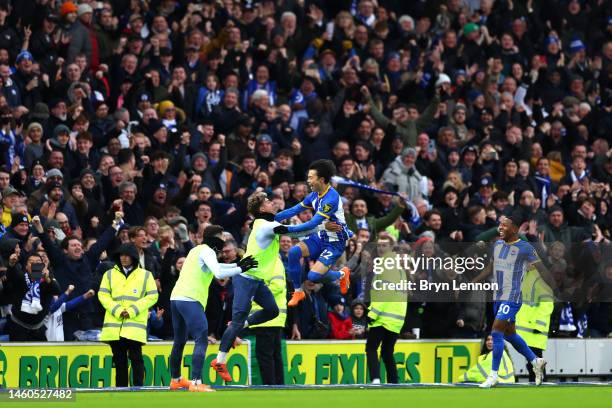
[188, 303]
[512, 258]
[324, 245]
[252, 286]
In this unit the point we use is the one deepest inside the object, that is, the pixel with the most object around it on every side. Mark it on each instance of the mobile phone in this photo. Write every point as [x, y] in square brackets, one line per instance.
[329, 29]
[37, 269]
[431, 148]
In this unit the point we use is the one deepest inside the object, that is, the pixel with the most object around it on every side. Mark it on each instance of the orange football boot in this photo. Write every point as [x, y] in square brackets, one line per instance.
[345, 280]
[181, 383]
[221, 369]
[296, 298]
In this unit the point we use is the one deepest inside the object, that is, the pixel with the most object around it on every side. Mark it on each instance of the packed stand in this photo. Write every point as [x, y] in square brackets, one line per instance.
[174, 112]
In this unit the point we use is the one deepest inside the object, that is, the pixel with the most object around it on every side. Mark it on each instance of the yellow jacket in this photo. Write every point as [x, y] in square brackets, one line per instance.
[135, 293]
[482, 368]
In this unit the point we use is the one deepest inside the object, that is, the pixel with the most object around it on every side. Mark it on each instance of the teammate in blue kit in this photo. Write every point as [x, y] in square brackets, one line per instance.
[512, 258]
[324, 245]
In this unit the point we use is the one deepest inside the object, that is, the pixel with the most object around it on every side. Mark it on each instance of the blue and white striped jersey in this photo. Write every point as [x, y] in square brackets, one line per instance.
[510, 263]
[328, 205]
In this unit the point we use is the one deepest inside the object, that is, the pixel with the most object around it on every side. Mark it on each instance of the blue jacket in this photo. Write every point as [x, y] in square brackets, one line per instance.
[77, 272]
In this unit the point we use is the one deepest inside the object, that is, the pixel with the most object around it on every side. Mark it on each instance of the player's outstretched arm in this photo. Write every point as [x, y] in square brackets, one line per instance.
[303, 229]
[208, 263]
[290, 212]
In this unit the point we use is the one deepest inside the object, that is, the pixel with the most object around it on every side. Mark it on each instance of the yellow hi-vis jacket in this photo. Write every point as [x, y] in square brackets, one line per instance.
[388, 303]
[533, 318]
[479, 371]
[135, 293]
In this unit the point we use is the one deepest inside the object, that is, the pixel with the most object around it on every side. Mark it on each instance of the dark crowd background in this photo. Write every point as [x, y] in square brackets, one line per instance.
[174, 112]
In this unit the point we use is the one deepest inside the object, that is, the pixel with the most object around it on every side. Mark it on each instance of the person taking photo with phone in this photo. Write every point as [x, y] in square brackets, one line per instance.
[33, 289]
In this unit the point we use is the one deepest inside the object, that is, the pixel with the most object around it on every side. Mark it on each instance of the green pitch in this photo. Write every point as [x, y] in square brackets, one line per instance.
[557, 397]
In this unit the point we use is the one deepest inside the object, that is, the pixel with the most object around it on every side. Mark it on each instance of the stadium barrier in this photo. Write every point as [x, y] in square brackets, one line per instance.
[89, 365]
[572, 358]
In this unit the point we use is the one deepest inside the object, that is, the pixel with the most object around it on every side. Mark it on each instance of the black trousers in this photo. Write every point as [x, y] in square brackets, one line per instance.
[268, 343]
[376, 336]
[122, 350]
[17, 332]
[538, 352]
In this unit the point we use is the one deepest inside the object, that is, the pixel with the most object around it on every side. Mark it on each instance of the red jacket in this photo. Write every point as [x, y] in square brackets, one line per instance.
[340, 328]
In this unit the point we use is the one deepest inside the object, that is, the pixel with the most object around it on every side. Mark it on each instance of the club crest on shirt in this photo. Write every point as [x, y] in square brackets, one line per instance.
[327, 208]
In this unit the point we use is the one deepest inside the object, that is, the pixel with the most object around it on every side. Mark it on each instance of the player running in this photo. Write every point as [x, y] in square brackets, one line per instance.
[512, 258]
[324, 245]
[188, 303]
[263, 246]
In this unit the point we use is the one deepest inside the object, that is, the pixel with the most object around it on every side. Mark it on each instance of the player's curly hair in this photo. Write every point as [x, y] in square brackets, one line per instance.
[255, 201]
[324, 168]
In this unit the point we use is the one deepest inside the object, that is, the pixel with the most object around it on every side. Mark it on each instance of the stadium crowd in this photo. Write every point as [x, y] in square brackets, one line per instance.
[173, 112]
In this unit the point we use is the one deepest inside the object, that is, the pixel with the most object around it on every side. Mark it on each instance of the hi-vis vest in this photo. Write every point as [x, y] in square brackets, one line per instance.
[482, 368]
[193, 282]
[135, 293]
[278, 286]
[533, 318]
[269, 262]
[388, 307]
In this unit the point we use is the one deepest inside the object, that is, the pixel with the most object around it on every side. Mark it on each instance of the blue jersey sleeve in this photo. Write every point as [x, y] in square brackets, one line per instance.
[313, 223]
[306, 203]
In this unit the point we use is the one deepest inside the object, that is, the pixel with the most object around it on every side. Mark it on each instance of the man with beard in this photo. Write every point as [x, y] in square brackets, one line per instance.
[58, 115]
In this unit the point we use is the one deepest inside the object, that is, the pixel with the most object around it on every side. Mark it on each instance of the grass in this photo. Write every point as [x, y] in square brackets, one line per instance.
[510, 397]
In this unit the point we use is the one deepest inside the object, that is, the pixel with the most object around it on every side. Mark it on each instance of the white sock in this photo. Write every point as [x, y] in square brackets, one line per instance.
[196, 382]
[221, 357]
[493, 374]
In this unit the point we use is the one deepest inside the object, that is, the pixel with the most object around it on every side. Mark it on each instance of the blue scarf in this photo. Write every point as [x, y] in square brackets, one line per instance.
[415, 219]
[544, 186]
[31, 301]
[566, 320]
